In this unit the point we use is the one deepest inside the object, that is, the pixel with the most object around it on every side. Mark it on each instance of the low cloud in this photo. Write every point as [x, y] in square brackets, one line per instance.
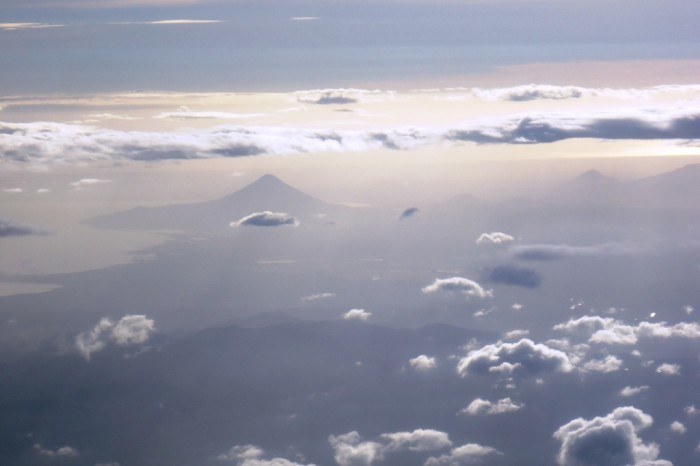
[250, 455]
[495, 237]
[331, 96]
[10, 228]
[632, 391]
[318, 296]
[48, 143]
[170, 22]
[606, 330]
[611, 440]
[266, 219]
[471, 453]
[484, 407]
[517, 334]
[351, 450]
[62, 452]
[423, 363]
[678, 427]
[669, 369]
[85, 182]
[408, 213]
[458, 285]
[524, 357]
[129, 330]
[608, 364]
[25, 26]
[514, 275]
[357, 314]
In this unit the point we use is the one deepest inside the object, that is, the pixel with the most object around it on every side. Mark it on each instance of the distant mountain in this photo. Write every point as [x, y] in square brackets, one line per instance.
[268, 193]
[677, 189]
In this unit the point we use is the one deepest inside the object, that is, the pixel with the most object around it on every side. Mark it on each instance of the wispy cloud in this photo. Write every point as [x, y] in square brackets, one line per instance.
[25, 26]
[170, 22]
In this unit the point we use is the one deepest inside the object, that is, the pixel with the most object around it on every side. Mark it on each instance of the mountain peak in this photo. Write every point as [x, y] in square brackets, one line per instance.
[593, 176]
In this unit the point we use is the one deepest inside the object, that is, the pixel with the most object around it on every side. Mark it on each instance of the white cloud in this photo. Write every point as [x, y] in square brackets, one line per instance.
[515, 334]
[304, 18]
[24, 26]
[678, 427]
[495, 237]
[12, 190]
[423, 362]
[129, 330]
[266, 219]
[85, 182]
[357, 314]
[524, 357]
[62, 452]
[250, 455]
[669, 369]
[631, 391]
[350, 450]
[190, 115]
[691, 411]
[417, 440]
[481, 406]
[458, 284]
[318, 296]
[611, 440]
[471, 453]
[609, 364]
[170, 22]
[607, 330]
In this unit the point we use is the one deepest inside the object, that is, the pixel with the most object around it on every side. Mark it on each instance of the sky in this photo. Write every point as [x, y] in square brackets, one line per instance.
[349, 232]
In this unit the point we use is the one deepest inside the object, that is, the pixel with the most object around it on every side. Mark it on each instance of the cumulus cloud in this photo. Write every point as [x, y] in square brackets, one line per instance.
[458, 285]
[669, 369]
[10, 228]
[471, 453]
[514, 276]
[46, 142]
[129, 330]
[678, 427]
[250, 455]
[423, 362]
[357, 314]
[608, 364]
[351, 450]
[631, 391]
[611, 440]
[481, 406]
[318, 296]
[606, 330]
[266, 219]
[495, 237]
[62, 452]
[408, 213]
[524, 357]
[516, 334]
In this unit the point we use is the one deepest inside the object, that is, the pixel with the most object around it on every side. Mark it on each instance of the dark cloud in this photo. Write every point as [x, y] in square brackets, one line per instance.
[553, 252]
[408, 213]
[10, 228]
[514, 275]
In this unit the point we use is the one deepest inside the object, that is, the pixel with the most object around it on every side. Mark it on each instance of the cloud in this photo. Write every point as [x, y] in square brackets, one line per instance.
[266, 219]
[609, 364]
[495, 237]
[678, 427]
[552, 252]
[25, 26]
[49, 143]
[423, 363]
[691, 411]
[62, 452]
[318, 296]
[357, 314]
[186, 114]
[669, 369]
[351, 450]
[514, 275]
[471, 453]
[250, 455]
[129, 330]
[610, 440]
[13, 190]
[85, 182]
[481, 406]
[11, 228]
[304, 18]
[458, 285]
[515, 334]
[331, 96]
[524, 357]
[606, 330]
[170, 22]
[631, 391]
[408, 213]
